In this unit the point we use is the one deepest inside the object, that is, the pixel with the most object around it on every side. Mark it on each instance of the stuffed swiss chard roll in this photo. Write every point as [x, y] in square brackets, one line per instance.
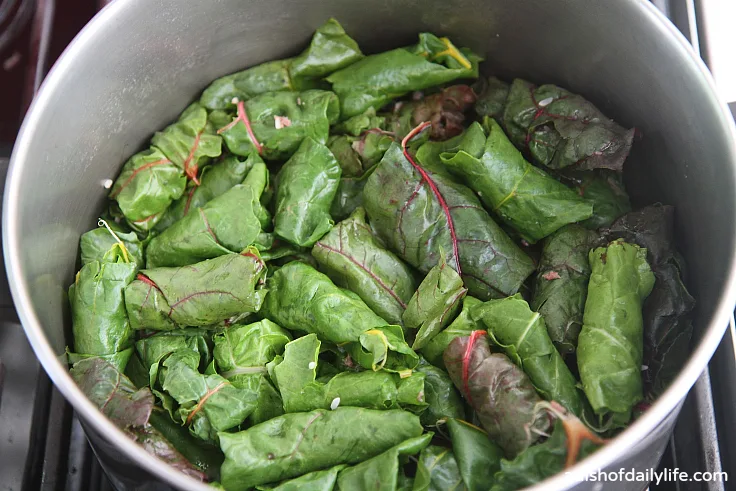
[611, 344]
[525, 197]
[199, 295]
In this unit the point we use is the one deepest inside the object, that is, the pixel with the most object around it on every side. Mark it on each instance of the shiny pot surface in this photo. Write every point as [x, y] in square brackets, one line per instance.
[136, 66]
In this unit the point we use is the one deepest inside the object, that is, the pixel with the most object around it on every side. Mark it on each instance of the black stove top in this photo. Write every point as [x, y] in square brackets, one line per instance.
[42, 445]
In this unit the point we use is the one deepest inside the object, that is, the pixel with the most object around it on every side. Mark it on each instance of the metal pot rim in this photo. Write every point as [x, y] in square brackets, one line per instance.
[58, 370]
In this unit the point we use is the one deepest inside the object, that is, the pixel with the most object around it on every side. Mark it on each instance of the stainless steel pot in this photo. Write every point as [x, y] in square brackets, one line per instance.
[139, 62]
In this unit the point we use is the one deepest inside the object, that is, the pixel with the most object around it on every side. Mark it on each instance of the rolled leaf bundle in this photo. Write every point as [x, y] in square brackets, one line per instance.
[437, 470]
[303, 299]
[96, 244]
[329, 50]
[523, 336]
[227, 224]
[273, 124]
[307, 185]
[296, 376]
[501, 394]
[435, 303]
[99, 320]
[605, 189]
[382, 472]
[377, 79]
[561, 286]
[214, 181]
[478, 458]
[668, 324]
[525, 197]
[463, 325]
[433, 212]
[313, 481]
[352, 258]
[297, 443]
[199, 295]
[492, 95]
[130, 409]
[562, 129]
[440, 395]
[207, 403]
[611, 344]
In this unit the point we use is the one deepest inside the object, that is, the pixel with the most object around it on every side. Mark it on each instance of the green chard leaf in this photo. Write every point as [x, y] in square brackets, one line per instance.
[561, 129]
[382, 472]
[492, 98]
[444, 109]
[227, 224]
[463, 325]
[296, 376]
[312, 481]
[435, 303]
[605, 189]
[561, 285]
[437, 470]
[303, 299]
[611, 344]
[478, 458]
[361, 123]
[669, 308]
[330, 49]
[378, 79]
[199, 295]
[97, 243]
[214, 181]
[274, 124]
[432, 212]
[99, 321]
[524, 338]
[298, 443]
[501, 394]
[525, 197]
[307, 186]
[352, 258]
[207, 403]
[129, 409]
[442, 400]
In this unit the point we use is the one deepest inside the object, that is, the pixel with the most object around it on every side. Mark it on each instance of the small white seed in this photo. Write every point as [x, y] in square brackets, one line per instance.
[107, 183]
[335, 403]
[312, 365]
[234, 100]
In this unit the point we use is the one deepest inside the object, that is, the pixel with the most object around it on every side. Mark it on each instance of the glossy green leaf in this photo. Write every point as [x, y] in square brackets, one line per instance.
[95, 244]
[404, 207]
[501, 394]
[307, 185]
[435, 303]
[561, 129]
[146, 186]
[668, 310]
[200, 295]
[189, 143]
[611, 344]
[207, 403]
[362, 123]
[381, 473]
[605, 189]
[561, 285]
[99, 321]
[437, 470]
[492, 98]
[524, 338]
[312, 481]
[442, 400]
[478, 458]
[278, 121]
[525, 197]
[228, 224]
[463, 325]
[377, 79]
[329, 50]
[297, 443]
[303, 299]
[384, 348]
[352, 258]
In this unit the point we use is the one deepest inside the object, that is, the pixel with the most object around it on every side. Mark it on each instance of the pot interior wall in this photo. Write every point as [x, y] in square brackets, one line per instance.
[141, 70]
